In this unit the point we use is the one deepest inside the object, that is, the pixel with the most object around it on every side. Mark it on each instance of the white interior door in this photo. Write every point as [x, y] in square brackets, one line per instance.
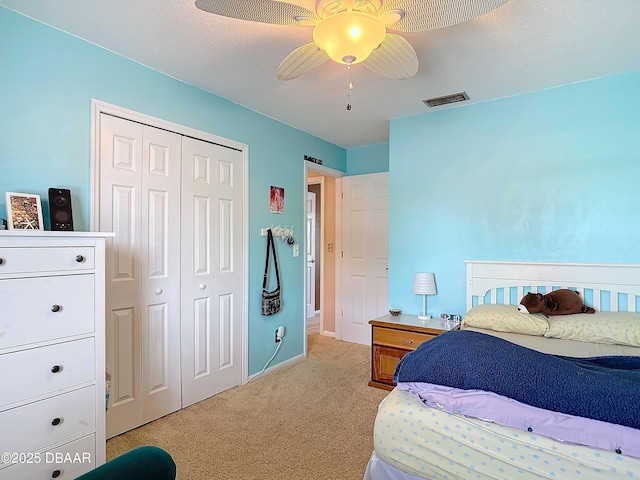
[212, 269]
[365, 254]
[139, 201]
[311, 255]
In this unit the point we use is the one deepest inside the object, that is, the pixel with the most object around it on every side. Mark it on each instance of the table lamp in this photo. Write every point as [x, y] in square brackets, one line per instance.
[424, 283]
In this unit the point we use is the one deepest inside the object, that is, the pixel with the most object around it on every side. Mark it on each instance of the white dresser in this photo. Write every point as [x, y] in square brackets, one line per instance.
[52, 350]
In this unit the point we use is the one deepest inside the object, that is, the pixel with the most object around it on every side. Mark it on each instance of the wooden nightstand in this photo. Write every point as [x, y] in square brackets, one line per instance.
[392, 338]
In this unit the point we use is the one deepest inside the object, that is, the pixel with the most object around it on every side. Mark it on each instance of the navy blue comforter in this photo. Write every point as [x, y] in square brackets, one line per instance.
[601, 388]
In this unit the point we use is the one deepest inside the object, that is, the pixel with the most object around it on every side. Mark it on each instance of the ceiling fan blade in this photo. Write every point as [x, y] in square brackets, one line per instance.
[395, 58]
[421, 15]
[302, 60]
[265, 11]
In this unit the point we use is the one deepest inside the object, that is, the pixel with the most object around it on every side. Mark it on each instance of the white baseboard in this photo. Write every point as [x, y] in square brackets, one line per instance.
[276, 367]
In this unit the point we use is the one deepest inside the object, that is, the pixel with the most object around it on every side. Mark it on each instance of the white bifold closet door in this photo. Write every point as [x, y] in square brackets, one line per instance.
[174, 274]
[140, 202]
[211, 269]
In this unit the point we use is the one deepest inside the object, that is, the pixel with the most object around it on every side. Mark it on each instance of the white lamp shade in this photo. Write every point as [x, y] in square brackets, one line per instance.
[424, 283]
[349, 37]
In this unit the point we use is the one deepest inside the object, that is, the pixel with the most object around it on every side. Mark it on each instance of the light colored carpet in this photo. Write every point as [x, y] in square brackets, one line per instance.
[313, 324]
[310, 420]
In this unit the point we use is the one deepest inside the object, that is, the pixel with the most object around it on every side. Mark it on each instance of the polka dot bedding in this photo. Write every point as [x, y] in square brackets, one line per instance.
[435, 444]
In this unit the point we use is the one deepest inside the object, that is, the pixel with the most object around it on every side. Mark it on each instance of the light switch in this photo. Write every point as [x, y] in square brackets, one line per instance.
[330, 247]
[296, 250]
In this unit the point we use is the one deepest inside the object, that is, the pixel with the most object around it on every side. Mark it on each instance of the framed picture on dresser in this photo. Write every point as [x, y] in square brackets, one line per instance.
[24, 211]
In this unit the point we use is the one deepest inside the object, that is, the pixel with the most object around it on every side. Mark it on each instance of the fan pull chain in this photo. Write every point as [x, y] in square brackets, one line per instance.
[350, 86]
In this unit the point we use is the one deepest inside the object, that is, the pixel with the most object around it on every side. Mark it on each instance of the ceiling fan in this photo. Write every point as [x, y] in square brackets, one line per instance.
[354, 31]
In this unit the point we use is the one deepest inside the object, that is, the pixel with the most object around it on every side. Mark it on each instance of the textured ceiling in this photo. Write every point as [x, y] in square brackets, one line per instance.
[523, 46]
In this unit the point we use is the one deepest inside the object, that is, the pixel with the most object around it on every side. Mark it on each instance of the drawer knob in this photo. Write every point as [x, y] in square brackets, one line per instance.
[56, 421]
[56, 308]
[406, 342]
[203, 286]
[158, 291]
[55, 473]
[56, 369]
[1, 260]
[79, 258]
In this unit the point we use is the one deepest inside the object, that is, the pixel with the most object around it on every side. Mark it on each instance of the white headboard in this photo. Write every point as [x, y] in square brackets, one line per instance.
[605, 287]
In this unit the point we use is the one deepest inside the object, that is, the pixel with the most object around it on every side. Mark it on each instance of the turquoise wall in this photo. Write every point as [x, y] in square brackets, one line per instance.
[47, 81]
[548, 176]
[368, 159]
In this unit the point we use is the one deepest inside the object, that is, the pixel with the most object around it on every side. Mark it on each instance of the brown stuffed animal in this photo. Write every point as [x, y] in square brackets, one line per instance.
[558, 302]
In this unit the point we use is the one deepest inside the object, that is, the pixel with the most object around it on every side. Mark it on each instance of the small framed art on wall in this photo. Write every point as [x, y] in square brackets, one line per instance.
[276, 199]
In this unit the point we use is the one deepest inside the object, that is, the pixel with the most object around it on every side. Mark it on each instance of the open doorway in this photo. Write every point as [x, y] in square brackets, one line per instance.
[320, 298]
[314, 254]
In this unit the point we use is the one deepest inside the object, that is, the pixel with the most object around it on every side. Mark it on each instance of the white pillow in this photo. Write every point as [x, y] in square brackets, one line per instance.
[621, 328]
[505, 318]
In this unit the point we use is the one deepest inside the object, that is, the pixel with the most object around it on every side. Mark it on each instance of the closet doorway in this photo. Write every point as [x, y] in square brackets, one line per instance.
[176, 270]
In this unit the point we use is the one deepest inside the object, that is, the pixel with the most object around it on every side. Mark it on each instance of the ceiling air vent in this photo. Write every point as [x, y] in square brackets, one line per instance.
[456, 97]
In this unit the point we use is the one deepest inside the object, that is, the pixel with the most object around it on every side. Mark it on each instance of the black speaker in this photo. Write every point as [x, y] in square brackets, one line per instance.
[60, 209]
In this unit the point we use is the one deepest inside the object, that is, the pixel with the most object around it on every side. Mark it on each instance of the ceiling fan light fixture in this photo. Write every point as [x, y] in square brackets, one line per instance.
[349, 35]
[354, 31]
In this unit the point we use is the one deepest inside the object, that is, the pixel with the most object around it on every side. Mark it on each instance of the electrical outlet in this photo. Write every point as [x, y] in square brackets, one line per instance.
[279, 333]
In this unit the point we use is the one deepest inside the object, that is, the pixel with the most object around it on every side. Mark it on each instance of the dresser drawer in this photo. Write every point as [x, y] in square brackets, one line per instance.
[42, 260]
[399, 338]
[40, 371]
[27, 308]
[62, 463]
[36, 425]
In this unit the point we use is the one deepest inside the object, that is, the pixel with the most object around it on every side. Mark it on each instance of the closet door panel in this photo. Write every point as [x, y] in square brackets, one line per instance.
[229, 267]
[211, 333]
[198, 275]
[139, 201]
[161, 170]
[120, 201]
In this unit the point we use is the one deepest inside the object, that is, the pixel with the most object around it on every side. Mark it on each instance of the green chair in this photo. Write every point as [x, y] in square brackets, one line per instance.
[142, 463]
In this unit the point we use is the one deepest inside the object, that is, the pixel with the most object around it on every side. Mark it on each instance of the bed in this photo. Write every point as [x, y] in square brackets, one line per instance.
[462, 411]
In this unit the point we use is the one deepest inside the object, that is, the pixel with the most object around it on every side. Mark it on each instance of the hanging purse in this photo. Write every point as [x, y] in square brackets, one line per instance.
[270, 300]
